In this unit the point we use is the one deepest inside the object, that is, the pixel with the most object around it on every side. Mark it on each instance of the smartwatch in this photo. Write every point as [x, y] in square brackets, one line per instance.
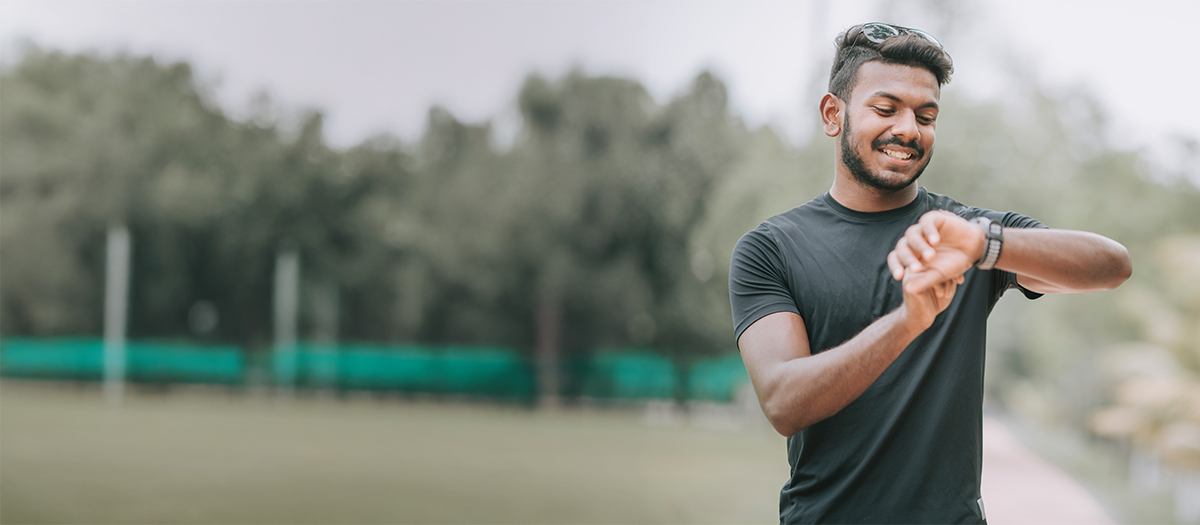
[993, 241]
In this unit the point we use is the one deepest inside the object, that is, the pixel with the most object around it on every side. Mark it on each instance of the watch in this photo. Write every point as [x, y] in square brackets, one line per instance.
[993, 241]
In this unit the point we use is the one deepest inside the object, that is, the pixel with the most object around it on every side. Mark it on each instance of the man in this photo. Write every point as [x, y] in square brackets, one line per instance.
[861, 315]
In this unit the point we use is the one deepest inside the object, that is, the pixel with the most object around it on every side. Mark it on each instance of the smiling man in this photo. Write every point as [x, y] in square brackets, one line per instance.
[861, 315]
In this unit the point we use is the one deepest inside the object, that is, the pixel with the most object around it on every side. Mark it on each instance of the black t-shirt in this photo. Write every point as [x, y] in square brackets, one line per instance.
[909, 449]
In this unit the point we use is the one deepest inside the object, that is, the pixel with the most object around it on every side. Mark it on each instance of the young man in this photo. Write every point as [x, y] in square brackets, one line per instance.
[861, 315]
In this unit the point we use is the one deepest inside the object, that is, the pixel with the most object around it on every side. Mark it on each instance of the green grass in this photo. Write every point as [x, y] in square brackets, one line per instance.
[212, 457]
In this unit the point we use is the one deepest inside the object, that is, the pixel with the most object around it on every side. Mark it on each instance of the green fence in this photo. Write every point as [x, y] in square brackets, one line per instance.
[642, 374]
[717, 379]
[629, 375]
[83, 359]
[478, 371]
[497, 372]
[53, 358]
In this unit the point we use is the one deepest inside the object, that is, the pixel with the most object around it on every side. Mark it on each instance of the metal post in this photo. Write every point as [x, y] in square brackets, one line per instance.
[116, 305]
[287, 287]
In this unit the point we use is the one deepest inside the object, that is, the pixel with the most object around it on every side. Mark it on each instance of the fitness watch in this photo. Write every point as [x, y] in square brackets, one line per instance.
[993, 241]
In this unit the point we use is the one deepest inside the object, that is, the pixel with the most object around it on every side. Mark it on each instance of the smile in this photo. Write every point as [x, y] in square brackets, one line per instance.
[898, 155]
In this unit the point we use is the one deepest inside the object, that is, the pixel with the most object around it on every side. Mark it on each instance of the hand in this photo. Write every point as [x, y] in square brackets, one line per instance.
[925, 303]
[939, 247]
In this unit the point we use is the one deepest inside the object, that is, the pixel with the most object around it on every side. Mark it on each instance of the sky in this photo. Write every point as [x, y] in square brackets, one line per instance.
[376, 67]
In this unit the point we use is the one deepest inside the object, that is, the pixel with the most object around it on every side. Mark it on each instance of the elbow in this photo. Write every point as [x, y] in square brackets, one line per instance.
[1126, 266]
[784, 428]
[1121, 265]
[1105, 268]
[778, 419]
[787, 422]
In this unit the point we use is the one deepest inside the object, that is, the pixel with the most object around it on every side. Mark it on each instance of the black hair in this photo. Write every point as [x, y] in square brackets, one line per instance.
[854, 49]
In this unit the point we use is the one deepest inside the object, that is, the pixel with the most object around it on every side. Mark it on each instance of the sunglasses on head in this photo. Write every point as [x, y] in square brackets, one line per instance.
[877, 32]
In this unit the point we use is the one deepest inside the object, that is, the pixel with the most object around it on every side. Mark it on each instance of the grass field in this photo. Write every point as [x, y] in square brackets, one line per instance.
[213, 457]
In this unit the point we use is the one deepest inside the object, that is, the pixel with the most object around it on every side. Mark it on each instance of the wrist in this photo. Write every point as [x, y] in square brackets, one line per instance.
[991, 241]
[909, 324]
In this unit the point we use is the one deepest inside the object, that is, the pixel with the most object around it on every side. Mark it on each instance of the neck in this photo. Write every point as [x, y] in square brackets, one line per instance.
[859, 197]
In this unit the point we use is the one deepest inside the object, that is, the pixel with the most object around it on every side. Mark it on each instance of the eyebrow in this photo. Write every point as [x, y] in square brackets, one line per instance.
[889, 96]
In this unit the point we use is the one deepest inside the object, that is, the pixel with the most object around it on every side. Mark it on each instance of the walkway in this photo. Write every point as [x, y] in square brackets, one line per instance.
[1020, 487]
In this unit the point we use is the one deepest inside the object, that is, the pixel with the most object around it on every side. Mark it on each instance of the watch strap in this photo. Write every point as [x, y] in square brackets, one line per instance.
[993, 242]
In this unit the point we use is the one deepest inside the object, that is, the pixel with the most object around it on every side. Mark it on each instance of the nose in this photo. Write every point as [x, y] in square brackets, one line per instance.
[905, 127]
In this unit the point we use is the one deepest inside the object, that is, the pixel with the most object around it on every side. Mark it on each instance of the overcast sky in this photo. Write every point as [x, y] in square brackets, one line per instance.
[377, 66]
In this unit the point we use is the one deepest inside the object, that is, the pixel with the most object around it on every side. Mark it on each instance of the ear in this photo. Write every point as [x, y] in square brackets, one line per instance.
[831, 114]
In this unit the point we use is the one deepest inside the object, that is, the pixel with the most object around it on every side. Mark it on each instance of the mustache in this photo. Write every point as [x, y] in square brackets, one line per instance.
[913, 145]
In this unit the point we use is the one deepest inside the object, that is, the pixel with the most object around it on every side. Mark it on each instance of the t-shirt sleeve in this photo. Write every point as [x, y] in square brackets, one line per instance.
[1004, 281]
[757, 280]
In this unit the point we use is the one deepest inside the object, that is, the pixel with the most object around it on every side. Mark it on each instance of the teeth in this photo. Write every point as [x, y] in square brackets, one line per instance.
[897, 155]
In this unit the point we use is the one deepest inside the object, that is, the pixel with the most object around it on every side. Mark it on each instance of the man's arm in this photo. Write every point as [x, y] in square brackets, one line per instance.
[796, 388]
[1064, 261]
[943, 245]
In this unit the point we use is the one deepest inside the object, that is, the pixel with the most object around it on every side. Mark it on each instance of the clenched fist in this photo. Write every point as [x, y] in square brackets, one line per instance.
[940, 247]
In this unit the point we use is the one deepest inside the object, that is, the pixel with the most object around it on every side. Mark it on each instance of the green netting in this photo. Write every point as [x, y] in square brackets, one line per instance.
[66, 358]
[83, 358]
[629, 375]
[483, 371]
[409, 369]
[168, 362]
[717, 379]
[476, 371]
[321, 366]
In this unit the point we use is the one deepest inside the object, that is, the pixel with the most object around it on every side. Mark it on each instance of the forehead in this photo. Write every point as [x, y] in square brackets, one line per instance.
[913, 85]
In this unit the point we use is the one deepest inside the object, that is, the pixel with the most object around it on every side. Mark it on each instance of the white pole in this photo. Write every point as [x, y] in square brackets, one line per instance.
[287, 285]
[116, 306]
[820, 51]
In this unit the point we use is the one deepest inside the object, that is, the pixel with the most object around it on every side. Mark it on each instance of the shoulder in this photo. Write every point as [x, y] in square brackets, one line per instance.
[942, 202]
[757, 245]
[767, 244]
[804, 217]
[1009, 219]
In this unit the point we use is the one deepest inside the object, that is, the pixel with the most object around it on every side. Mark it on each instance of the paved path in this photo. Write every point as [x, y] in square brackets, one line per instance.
[1020, 487]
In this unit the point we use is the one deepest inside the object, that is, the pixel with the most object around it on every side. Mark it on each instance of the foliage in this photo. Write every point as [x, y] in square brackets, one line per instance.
[446, 240]
[617, 209]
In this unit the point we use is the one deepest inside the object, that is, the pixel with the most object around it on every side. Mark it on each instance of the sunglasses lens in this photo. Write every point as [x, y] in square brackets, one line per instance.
[925, 35]
[877, 33]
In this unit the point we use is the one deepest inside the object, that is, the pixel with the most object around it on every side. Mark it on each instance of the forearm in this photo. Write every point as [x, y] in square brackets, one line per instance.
[809, 389]
[1064, 261]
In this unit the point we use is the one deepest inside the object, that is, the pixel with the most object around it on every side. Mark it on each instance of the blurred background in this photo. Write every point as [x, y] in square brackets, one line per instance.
[449, 262]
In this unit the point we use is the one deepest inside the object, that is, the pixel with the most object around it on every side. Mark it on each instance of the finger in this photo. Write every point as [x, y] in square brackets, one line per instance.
[915, 235]
[906, 257]
[939, 290]
[945, 289]
[929, 226]
[895, 266]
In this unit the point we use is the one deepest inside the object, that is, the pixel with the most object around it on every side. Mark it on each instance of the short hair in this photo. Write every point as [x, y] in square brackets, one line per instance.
[908, 49]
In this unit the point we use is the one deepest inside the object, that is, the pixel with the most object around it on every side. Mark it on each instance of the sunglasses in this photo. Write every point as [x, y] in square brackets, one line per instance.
[877, 32]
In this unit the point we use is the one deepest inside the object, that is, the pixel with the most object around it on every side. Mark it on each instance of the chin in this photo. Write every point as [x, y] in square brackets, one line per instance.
[898, 180]
[889, 181]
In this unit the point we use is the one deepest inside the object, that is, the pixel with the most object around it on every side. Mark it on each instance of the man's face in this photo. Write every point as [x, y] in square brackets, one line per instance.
[894, 113]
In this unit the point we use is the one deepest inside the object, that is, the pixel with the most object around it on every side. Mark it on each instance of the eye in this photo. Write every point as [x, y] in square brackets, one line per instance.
[887, 112]
[926, 120]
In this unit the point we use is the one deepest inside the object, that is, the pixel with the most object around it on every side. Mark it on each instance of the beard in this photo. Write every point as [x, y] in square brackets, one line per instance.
[864, 176]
